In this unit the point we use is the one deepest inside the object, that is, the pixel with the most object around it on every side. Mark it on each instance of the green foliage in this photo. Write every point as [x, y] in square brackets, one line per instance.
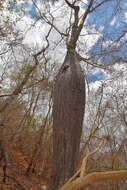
[121, 167]
[1, 6]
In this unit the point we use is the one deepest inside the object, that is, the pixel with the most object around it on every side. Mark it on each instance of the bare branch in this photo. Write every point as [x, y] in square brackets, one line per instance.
[89, 63]
[95, 177]
[19, 88]
[69, 4]
[98, 5]
[84, 162]
[84, 18]
[5, 95]
[43, 17]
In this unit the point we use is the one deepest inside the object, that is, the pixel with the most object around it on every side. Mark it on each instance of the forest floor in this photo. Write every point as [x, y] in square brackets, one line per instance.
[16, 178]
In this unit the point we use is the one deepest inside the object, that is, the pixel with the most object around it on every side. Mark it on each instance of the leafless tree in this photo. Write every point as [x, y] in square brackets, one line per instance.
[68, 112]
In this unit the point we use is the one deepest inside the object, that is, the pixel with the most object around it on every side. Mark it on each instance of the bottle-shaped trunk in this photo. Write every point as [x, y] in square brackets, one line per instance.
[68, 112]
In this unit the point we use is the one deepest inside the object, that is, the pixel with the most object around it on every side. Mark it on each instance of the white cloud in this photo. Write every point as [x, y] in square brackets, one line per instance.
[101, 28]
[125, 15]
[113, 21]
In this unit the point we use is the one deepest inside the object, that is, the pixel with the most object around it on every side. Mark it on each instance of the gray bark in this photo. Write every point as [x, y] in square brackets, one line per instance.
[68, 112]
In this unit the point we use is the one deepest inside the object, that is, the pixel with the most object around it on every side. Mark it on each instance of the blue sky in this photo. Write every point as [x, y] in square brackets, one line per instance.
[109, 20]
[96, 76]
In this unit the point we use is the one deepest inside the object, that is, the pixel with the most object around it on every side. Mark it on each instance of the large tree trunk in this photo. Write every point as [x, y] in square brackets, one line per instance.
[68, 112]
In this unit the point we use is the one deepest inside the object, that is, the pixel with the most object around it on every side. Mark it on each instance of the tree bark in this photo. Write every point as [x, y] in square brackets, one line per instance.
[68, 113]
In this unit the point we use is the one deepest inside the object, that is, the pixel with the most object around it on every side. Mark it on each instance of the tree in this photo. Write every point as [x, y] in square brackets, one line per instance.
[68, 113]
[70, 69]
[68, 117]
[68, 108]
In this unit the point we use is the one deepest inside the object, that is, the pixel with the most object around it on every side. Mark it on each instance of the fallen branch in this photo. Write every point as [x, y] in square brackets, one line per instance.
[80, 178]
[84, 162]
[94, 177]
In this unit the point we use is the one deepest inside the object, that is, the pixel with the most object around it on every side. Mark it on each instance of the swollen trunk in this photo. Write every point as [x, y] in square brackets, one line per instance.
[68, 112]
